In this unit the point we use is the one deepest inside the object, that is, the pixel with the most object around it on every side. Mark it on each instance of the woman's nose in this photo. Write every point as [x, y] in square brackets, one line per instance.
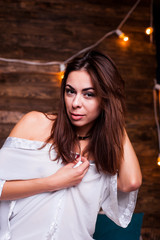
[77, 101]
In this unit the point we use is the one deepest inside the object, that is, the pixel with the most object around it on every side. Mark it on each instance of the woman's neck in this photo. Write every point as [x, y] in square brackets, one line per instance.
[84, 137]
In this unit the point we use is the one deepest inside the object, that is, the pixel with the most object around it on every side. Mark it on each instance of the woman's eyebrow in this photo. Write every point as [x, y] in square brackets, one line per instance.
[67, 85]
[89, 88]
[83, 90]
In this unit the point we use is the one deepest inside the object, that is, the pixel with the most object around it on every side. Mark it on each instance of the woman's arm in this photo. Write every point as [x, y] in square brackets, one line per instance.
[129, 177]
[65, 177]
[36, 126]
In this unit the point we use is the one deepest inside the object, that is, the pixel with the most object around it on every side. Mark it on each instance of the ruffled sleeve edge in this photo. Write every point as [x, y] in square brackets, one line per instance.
[119, 206]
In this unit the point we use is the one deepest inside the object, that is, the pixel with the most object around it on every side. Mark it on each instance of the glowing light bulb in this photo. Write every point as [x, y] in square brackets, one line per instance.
[125, 38]
[149, 30]
[158, 160]
[122, 35]
[62, 75]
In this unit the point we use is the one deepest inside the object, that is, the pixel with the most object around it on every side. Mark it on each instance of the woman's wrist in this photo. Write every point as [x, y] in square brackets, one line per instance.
[49, 184]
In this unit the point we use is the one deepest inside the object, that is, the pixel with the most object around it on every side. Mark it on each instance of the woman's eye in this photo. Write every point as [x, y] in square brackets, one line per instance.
[89, 94]
[69, 91]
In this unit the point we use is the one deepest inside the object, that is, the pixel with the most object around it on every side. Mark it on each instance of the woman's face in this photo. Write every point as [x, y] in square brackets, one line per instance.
[82, 103]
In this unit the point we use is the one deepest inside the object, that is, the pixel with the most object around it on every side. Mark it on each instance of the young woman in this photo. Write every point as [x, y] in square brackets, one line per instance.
[57, 171]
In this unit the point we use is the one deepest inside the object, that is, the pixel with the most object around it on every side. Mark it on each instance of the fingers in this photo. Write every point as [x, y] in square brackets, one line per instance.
[72, 176]
[79, 166]
[78, 161]
[83, 159]
[83, 168]
[70, 165]
[84, 165]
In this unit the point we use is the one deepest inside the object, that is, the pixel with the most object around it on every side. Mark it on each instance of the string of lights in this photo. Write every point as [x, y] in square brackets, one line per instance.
[149, 30]
[156, 88]
[62, 64]
[156, 101]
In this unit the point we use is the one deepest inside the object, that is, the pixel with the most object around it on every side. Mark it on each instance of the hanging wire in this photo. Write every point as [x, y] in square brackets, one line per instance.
[156, 91]
[30, 62]
[90, 47]
[151, 20]
[128, 15]
[60, 63]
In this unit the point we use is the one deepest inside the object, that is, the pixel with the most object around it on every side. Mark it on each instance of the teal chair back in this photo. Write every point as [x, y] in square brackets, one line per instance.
[106, 229]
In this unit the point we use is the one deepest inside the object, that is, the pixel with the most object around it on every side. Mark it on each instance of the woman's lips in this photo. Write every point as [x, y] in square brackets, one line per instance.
[76, 116]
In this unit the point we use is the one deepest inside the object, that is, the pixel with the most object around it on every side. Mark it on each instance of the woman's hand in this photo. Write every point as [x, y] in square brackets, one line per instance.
[69, 175]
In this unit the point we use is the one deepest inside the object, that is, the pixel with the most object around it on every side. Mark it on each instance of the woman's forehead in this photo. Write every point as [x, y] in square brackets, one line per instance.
[79, 78]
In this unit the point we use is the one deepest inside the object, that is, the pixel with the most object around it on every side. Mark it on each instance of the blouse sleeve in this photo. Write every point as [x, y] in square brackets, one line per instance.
[117, 205]
[1, 186]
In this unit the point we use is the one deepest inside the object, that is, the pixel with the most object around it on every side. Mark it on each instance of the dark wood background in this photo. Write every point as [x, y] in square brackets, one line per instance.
[47, 30]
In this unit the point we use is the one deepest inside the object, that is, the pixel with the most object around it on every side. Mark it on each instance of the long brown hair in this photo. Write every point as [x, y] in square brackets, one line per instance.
[107, 134]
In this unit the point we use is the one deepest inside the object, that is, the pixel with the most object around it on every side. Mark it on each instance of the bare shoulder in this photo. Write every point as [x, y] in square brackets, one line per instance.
[33, 126]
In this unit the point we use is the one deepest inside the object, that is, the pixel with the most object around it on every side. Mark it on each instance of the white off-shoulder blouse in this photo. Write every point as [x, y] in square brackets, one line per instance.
[68, 214]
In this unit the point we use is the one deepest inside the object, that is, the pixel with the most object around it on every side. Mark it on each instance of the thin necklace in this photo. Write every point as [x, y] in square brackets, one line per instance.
[83, 137]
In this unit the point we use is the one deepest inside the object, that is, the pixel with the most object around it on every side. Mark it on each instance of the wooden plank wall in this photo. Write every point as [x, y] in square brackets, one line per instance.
[55, 30]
